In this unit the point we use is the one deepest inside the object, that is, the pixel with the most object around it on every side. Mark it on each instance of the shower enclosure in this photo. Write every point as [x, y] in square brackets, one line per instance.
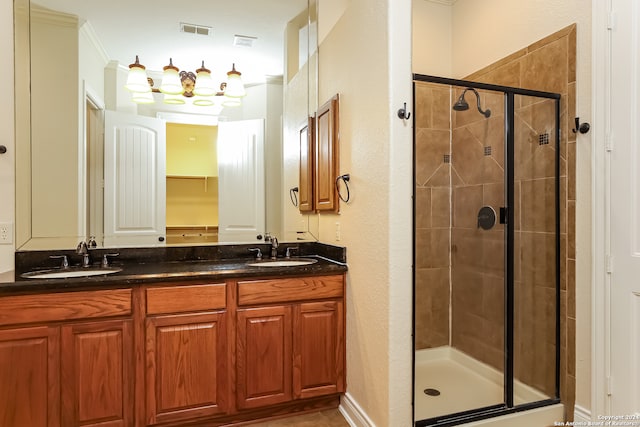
[487, 171]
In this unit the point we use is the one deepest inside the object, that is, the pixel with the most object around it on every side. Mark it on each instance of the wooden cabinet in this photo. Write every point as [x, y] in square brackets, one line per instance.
[293, 350]
[66, 373]
[318, 349]
[326, 157]
[319, 159]
[186, 352]
[97, 373]
[263, 356]
[30, 377]
[172, 354]
[186, 366]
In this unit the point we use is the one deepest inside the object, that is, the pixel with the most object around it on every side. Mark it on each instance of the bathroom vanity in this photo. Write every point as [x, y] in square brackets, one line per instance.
[177, 343]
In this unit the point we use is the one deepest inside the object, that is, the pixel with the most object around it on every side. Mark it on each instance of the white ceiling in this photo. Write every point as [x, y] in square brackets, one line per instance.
[151, 30]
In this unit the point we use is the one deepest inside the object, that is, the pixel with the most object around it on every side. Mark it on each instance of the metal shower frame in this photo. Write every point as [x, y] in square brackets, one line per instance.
[507, 407]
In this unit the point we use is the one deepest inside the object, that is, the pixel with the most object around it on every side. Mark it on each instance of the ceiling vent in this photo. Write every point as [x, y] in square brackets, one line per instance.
[243, 41]
[201, 30]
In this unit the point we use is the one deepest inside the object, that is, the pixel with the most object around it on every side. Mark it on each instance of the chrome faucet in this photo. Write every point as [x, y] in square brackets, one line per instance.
[274, 245]
[83, 250]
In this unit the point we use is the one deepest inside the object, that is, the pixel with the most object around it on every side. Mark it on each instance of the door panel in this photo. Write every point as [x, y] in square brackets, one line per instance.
[97, 360]
[318, 367]
[263, 356]
[186, 367]
[135, 181]
[241, 181]
[30, 377]
[624, 209]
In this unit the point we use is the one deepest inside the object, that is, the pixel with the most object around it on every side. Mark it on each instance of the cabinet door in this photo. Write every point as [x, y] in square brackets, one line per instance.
[319, 346]
[326, 157]
[186, 366]
[263, 352]
[30, 377]
[97, 374]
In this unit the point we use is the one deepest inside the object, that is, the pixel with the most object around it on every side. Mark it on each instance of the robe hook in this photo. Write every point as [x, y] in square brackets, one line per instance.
[403, 113]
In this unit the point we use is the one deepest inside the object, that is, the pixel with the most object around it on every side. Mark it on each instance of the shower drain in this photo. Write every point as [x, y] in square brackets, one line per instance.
[431, 392]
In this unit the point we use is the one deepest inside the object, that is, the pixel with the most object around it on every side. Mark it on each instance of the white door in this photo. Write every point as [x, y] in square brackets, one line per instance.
[134, 180]
[625, 210]
[241, 188]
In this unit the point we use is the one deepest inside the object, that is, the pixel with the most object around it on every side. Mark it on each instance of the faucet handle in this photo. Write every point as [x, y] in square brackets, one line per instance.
[290, 249]
[91, 243]
[258, 253]
[65, 260]
[105, 259]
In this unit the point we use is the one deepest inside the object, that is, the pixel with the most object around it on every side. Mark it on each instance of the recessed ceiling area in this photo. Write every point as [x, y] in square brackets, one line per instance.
[152, 30]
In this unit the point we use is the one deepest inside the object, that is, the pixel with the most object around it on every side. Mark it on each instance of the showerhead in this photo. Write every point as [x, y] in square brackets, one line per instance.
[462, 105]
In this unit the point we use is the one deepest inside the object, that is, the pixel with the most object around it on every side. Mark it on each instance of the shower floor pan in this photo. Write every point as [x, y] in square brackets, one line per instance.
[463, 384]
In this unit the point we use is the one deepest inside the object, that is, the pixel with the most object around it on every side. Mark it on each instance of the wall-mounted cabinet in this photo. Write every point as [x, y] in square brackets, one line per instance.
[319, 159]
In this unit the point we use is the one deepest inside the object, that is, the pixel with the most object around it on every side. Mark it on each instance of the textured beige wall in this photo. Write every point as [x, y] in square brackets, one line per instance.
[365, 58]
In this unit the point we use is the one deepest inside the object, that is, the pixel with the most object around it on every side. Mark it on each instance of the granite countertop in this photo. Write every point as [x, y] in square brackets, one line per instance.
[150, 269]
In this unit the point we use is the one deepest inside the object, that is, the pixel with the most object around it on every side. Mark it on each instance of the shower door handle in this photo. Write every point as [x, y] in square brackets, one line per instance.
[503, 215]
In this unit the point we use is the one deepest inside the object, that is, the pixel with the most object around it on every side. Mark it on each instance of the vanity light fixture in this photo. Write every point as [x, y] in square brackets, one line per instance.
[171, 84]
[235, 88]
[178, 86]
[137, 78]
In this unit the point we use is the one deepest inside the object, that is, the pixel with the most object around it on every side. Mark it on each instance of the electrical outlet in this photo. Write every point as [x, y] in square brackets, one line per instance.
[6, 233]
[338, 232]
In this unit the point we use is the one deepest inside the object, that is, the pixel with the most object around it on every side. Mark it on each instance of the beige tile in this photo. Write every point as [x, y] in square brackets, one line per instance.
[546, 68]
[467, 201]
[538, 205]
[431, 146]
[571, 171]
[440, 207]
[432, 248]
[423, 207]
[440, 114]
[537, 252]
[423, 106]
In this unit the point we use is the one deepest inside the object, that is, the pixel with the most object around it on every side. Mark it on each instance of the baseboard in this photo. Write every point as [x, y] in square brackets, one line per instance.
[353, 413]
[581, 414]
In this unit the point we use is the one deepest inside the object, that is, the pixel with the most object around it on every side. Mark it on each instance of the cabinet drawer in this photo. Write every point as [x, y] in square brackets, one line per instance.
[186, 298]
[290, 289]
[64, 306]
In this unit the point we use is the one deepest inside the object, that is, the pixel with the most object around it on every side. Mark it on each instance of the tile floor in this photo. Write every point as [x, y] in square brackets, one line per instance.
[326, 418]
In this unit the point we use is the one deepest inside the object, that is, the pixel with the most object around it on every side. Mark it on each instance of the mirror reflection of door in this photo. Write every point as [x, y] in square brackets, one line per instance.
[134, 180]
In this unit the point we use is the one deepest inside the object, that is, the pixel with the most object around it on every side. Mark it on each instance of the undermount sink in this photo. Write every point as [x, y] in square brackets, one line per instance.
[292, 262]
[67, 273]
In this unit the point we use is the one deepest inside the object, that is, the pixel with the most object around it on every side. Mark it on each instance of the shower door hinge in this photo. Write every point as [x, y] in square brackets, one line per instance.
[611, 20]
[608, 143]
[609, 264]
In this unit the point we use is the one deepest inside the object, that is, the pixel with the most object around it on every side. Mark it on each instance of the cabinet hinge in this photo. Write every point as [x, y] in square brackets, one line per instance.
[609, 262]
[608, 143]
[611, 20]
[609, 386]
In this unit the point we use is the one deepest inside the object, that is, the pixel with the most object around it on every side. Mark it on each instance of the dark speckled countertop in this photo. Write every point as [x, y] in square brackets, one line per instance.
[155, 265]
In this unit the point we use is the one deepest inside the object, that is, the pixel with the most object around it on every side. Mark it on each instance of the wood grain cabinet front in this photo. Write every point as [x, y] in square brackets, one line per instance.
[263, 356]
[186, 367]
[30, 377]
[97, 374]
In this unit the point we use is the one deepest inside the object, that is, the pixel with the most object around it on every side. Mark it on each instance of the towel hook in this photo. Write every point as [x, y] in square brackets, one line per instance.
[581, 127]
[403, 113]
[293, 195]
[3, 149]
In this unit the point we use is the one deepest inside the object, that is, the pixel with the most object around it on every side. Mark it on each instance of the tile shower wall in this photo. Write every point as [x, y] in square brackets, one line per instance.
[478, 255]
[547, 65]
[433, 133]
[475, 257]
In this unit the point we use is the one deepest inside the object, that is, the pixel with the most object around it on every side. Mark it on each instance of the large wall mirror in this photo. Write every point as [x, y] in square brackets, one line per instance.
[212, 174]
